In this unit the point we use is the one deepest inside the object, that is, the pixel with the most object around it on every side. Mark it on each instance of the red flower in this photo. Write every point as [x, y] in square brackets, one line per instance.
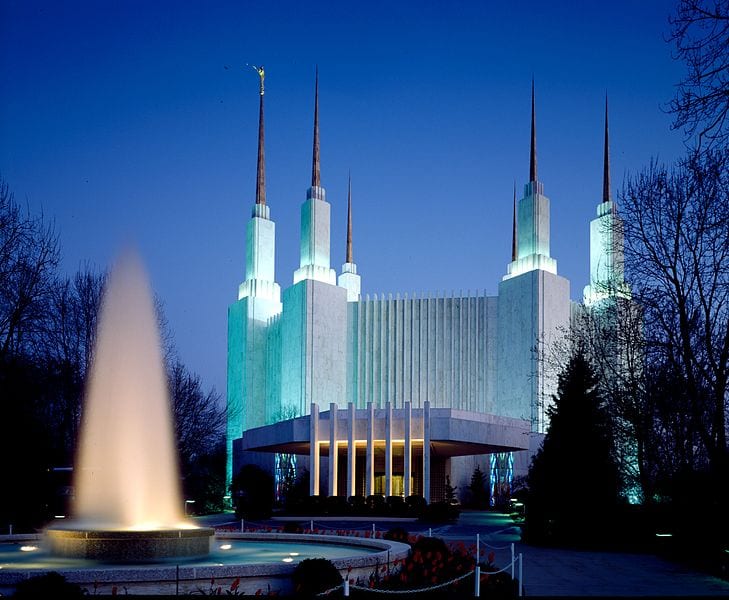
[235, 584]
[491, 556]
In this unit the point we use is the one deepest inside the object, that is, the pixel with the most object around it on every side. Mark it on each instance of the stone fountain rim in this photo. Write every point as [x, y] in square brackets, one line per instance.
[169, 572]
[73, 531]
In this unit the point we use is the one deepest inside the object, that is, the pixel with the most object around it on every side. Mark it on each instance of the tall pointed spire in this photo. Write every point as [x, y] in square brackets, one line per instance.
[513, 228]
[348, 254]
[533, 153]
[261, 170]
[349, 279]
[315, 171]
[606, 165]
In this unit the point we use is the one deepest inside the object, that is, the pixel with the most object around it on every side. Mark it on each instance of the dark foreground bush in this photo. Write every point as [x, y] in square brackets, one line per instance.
[50, 585]
[315, 575]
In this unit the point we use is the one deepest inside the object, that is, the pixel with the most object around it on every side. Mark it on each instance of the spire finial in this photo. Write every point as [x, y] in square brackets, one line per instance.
[261, 168]
[315, 170]
[533, 153]
[606, 165]
[513, 228]
[348, 258]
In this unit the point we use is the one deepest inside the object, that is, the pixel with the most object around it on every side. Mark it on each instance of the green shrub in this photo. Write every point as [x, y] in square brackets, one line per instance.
[336, 505]
[315, 575]
[357, 505]
[395, 505]
[376, 504]
[415, 505]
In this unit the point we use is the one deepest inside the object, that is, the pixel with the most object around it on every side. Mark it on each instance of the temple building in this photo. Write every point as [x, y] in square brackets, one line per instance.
[397, 394]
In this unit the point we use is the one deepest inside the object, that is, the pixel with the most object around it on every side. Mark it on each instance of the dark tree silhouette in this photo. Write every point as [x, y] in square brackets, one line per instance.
[479, 495]
[573, 479]
[700, 32]
[676, 225]
[29, 255]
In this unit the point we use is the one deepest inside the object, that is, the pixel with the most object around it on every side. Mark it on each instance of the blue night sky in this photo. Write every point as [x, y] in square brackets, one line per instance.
[119, 121]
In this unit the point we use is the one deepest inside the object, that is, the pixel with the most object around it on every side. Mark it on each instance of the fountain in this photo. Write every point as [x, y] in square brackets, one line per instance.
[128, 501]
[128, 530]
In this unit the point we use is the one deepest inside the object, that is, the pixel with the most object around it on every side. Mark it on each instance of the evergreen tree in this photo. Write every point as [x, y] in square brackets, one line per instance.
[573, 479]
[478, 488]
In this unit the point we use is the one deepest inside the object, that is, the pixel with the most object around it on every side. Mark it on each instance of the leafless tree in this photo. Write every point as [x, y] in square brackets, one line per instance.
[29, 255]
[676, 235]
[66, 351]
[200, 417]
[700, 32]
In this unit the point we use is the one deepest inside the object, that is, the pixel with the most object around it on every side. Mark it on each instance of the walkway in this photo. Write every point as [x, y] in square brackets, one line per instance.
[558, 572]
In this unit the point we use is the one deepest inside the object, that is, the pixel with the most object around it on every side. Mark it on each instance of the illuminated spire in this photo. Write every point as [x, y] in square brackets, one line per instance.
[349, 279]
[533, 153]
[606, 167]
[315, 172]
[513, 229]
[261, 171]
[348, 255]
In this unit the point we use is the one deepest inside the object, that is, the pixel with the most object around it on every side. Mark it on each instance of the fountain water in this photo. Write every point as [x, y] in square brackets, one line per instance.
[128, 501]
[128, 505]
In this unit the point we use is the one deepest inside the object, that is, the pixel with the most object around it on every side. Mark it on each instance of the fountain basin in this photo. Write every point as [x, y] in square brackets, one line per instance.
[129, 546]
[355, 558]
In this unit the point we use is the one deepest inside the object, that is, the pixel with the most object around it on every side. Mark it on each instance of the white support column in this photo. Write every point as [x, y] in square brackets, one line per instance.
[370, 474]
[333, 449]
[314, 450]
[408, 449]
[388, 449]
[426, 451]
[351, 451]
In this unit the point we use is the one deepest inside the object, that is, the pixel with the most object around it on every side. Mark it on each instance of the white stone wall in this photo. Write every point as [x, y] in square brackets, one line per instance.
[260, 249]
[314, 346]
[416, 349]
[533, 312]
[314, 260]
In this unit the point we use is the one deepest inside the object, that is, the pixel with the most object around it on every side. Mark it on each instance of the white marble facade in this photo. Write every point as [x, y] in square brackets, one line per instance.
[324, 348]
